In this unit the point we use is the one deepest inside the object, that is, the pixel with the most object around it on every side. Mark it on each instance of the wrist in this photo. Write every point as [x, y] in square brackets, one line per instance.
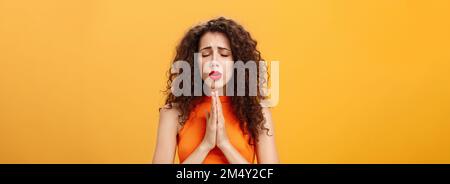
[224, 145]
[206, 146]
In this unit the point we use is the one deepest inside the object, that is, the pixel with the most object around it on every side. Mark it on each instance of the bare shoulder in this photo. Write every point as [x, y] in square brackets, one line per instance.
[169, 110]
[168, 115]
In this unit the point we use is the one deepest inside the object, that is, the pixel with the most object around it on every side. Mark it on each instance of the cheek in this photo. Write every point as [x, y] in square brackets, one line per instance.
[203, 65]
[205, 70]
[228, 70]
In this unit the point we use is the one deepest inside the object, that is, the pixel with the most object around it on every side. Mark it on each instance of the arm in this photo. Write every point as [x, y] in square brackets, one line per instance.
[265, 147]
[266, 151]
[223, 143]
[198, 155]
[209, 140]
[233, 156]
[166, 137]
[166, 140]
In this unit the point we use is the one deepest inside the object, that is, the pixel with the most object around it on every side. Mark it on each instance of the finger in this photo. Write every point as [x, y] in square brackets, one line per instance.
[214, 107]
[219, 104]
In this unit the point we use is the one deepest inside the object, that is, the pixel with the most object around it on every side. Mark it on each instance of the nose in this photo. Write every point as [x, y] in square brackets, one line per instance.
[214, 64]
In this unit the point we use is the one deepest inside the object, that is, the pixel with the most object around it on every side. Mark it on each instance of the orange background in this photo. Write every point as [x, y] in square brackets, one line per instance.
[360, 81]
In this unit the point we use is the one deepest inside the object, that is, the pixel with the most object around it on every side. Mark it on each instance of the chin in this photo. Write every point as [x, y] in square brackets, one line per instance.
[220, 83]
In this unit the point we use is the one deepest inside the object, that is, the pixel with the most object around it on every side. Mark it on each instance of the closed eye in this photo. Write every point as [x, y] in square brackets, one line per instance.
[206, 53]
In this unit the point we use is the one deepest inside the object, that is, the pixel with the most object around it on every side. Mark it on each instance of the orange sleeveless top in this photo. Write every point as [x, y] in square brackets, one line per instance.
[191, 134]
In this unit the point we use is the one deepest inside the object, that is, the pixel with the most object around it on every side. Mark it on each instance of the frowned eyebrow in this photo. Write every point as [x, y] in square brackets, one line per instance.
[220, 48]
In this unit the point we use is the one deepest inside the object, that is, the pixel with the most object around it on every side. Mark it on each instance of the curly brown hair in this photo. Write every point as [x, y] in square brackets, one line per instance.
[243, 47]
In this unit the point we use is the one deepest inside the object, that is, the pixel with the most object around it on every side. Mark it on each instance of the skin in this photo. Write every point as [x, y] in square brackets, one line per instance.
[216, 55]
[215, 52]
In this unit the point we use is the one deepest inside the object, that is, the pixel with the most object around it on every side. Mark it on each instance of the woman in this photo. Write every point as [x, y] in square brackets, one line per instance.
[215, 127]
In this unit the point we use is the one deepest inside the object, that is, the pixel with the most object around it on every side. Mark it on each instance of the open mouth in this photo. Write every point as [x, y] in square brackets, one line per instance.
[215, 75]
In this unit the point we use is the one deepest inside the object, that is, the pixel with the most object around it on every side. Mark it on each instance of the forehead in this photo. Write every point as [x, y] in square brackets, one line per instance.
[214, 39]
